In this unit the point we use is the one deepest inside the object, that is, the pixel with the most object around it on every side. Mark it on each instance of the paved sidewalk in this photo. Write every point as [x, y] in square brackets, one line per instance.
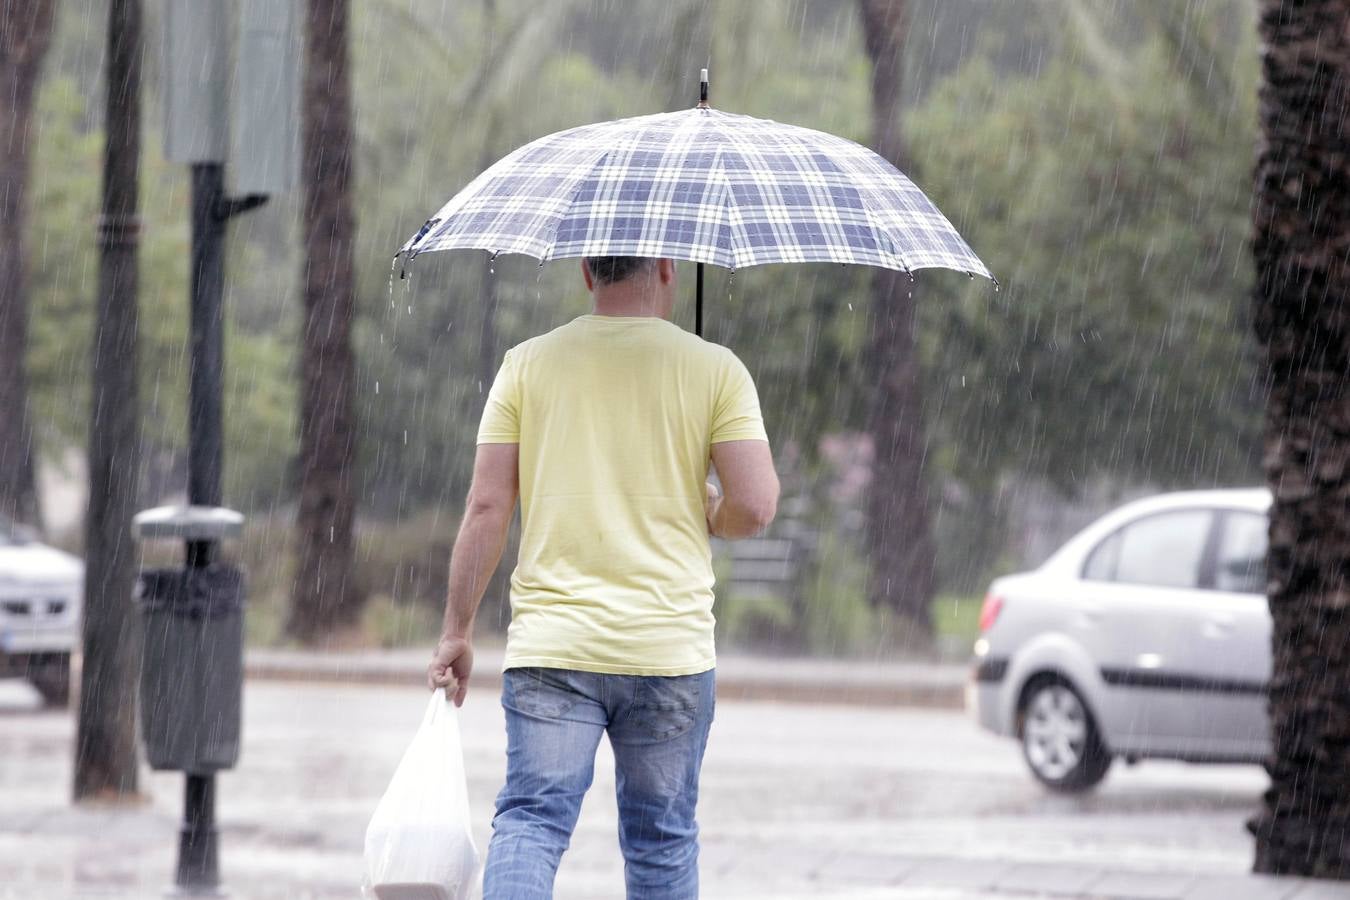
[904, 877]
[739, 677]
[30, 871]
[293, 815]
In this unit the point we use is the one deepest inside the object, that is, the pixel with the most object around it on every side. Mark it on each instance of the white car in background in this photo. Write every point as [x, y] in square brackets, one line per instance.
[41, 590]
[1147, 635]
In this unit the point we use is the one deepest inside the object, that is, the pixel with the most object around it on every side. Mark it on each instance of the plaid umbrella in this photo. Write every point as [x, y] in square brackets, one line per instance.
[699, 185]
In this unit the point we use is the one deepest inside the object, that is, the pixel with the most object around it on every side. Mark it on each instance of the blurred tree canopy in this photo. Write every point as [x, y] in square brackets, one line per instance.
[1111, 194]
[1096, 155]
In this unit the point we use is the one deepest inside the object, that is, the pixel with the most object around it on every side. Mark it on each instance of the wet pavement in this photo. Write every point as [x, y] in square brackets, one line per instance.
[799, 800]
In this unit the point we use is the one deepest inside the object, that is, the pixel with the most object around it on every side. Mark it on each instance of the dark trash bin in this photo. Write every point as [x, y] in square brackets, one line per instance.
[192, 668]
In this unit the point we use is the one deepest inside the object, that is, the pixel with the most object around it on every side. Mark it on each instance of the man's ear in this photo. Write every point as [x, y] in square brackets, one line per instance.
[586, 275]
[665, 270]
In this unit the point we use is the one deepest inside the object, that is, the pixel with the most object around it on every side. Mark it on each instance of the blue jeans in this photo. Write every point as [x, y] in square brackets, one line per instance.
[658, 728]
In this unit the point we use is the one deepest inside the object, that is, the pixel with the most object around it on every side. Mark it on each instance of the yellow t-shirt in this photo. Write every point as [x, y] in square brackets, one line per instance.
[615, 417]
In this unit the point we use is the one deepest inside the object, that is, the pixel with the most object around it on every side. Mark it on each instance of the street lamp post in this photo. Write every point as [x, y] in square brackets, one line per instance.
[203, 127]
[198, 854]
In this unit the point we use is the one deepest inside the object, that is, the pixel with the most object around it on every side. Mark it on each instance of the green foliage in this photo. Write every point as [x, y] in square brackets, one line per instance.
[1096, 155]
[259, 390]
[62, 264]
[1114, 207]
[831, 616]
[390, 622]
[264, 552]
[754, 622]
[403, 564]
[956, 620]
[836, 616]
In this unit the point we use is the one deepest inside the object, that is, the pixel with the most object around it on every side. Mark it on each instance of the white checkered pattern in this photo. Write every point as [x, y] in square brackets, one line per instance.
[699, 185]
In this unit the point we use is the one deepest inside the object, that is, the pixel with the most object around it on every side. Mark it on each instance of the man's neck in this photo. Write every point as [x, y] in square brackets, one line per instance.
[627, 313]
[627, 299]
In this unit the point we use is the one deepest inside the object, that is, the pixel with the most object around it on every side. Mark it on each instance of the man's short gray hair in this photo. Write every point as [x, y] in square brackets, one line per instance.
[613, 269]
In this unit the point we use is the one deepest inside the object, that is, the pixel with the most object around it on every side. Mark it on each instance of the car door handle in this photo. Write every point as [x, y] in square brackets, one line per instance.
[1218, 627]
[1090, 616]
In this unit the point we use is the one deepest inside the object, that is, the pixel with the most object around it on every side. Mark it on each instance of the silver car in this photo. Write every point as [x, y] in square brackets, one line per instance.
[41, 591]
[1147, 635]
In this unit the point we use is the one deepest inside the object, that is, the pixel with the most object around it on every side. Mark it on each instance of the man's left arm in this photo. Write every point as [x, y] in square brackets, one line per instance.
[478, 549]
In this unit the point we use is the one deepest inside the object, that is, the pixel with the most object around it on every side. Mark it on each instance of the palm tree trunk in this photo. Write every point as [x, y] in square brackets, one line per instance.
[1302, 314]
[105, 744]
[326, 596]
[899, 533]
[25, 35]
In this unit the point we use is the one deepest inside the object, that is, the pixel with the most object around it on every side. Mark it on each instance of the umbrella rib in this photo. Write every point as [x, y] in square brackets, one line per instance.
[870, 199]
[728, 209]
[553, 239]
[601, 159]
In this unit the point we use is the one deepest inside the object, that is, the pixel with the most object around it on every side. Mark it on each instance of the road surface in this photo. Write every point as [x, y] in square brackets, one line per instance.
[797, 800]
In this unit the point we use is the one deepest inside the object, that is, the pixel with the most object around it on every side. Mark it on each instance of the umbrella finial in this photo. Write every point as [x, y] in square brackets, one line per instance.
[703, 89]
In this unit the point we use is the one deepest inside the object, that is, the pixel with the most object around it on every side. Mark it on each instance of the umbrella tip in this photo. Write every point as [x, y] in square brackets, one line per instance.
[702, 88]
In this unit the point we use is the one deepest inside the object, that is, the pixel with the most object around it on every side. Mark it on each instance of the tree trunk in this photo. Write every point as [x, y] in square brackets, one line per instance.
[25, 34]
[326, 596]
[1302, 315]
[898, 530]
[105, 746]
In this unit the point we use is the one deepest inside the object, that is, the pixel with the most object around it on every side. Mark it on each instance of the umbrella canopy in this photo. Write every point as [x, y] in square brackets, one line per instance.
[699, 185]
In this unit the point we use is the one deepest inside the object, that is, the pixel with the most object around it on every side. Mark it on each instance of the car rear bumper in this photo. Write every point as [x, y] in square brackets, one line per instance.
[22, 665]
[984, 694]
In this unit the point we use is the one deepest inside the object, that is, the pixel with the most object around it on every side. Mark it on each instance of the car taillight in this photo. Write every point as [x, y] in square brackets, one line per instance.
[993, 605]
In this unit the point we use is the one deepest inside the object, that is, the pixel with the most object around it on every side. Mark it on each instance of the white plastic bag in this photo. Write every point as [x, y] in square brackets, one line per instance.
[418, 844]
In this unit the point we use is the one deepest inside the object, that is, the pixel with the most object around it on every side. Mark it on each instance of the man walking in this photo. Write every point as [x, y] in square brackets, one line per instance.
[605, 428]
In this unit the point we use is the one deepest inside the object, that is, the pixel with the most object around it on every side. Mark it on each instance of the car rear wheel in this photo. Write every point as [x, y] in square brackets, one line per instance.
[1059, 739]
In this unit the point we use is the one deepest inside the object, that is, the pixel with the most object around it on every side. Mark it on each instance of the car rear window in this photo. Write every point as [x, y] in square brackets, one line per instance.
[1101, 564]
[1163, 550]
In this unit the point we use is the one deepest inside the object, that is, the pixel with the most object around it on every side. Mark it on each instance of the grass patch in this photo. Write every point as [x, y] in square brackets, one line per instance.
[403, 567]
[387, 622]
[956, 618]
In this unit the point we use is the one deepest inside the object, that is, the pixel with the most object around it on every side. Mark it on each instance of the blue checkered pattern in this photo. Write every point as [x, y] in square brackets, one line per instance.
[699, 185]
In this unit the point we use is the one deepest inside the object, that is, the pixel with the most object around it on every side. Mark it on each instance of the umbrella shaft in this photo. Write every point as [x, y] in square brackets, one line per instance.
[698, 302]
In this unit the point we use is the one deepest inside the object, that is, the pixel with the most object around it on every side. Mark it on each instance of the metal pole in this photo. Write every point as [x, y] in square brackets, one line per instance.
[205, 439]
[198, 868]
[198, 861]
[698, 279]
[198, 841]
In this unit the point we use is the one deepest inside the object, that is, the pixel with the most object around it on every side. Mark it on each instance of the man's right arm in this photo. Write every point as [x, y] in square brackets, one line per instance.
[478, 549]
[749, 489]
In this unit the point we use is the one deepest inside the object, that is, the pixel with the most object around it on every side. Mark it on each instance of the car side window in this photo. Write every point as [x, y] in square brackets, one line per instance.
[1101, 564]
[1163, 550]
[1241, 563]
